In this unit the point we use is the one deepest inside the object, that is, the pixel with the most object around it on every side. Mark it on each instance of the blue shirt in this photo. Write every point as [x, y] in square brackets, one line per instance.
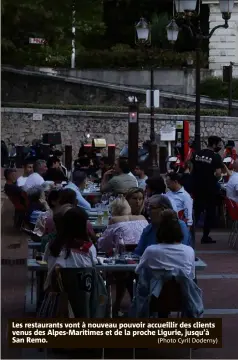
[149, 237]
[81, 201]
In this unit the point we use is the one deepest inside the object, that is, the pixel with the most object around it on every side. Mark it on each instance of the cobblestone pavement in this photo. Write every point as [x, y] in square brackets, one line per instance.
[219, 283]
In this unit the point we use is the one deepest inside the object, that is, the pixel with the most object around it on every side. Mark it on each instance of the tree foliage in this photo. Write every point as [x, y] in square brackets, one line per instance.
[51, 21]
[100, 25]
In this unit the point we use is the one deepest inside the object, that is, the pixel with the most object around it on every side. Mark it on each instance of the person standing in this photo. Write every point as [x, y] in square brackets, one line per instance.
[207, 170]
[181, 197]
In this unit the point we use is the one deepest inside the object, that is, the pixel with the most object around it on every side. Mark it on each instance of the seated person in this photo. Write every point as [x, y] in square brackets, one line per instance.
[141, 176]
[67, 199]
[27, 170]
[10, 188]
[55, 175]
[44, 224]
[169, 253]
[36, 206]
[15, 193]
[179, 195]
[53, 162]
[135, 198]
[232, 185]
[123, 229]
[78, 184]
[86, 165]
[36, 178]
[122, 181]
[82, 162]
[158, 204]
[156, 186]
[72, 247]
[104, 166]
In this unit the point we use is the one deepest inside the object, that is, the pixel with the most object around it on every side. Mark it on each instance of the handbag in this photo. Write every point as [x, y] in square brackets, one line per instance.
[56, 303]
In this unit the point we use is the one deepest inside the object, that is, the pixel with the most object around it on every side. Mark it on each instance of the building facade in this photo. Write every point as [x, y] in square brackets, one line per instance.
[223, 45]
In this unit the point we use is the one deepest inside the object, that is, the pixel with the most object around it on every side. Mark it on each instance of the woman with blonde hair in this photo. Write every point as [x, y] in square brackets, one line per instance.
[136, 198]
[123, 228]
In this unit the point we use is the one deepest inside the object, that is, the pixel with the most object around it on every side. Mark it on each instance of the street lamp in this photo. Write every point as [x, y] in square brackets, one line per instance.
[143, 38]
[142, 32]
[185, 10]
[172, 31]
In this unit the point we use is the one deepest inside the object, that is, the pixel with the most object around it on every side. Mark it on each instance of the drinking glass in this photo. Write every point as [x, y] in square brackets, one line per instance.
[105, 213]
[100, 214]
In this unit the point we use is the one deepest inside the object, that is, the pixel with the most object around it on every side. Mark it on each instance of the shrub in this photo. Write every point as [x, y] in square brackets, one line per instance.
[107, 108]
[122, 56]
[215, 88]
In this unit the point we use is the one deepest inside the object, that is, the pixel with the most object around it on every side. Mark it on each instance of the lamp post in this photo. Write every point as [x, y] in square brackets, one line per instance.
[186, 10]
[143, 38]
[133, 132]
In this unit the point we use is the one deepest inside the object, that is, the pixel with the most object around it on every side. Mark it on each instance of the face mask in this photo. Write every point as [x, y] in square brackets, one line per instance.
[217, 149]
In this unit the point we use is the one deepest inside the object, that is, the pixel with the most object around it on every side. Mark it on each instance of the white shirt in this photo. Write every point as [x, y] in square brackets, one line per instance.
[232, 187]
[74, 260]
[142, 182]
[33, 180]
[173, 203]
[21, 181]
[183, 202]
[169, 257]
[130, 173]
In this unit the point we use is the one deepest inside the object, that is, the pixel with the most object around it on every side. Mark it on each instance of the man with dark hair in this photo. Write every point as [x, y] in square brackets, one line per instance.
[56, 175]
[104, 166]
[179, 195]
[78, 184]
[36, 178]
[54, 170]
[53, 162]
[11, 189]
[141, 176]
[207, 170]
[122, 181]
[27, 170]
[155, 185]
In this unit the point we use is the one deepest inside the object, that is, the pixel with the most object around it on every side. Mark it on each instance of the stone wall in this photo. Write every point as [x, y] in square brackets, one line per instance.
[19, 127]
[180, 81]
[41, 88]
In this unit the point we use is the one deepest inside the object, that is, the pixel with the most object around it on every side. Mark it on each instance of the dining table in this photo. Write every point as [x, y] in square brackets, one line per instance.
[39, 266]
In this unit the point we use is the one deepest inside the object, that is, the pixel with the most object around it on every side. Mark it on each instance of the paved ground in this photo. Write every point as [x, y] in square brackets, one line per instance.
[219, 283]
